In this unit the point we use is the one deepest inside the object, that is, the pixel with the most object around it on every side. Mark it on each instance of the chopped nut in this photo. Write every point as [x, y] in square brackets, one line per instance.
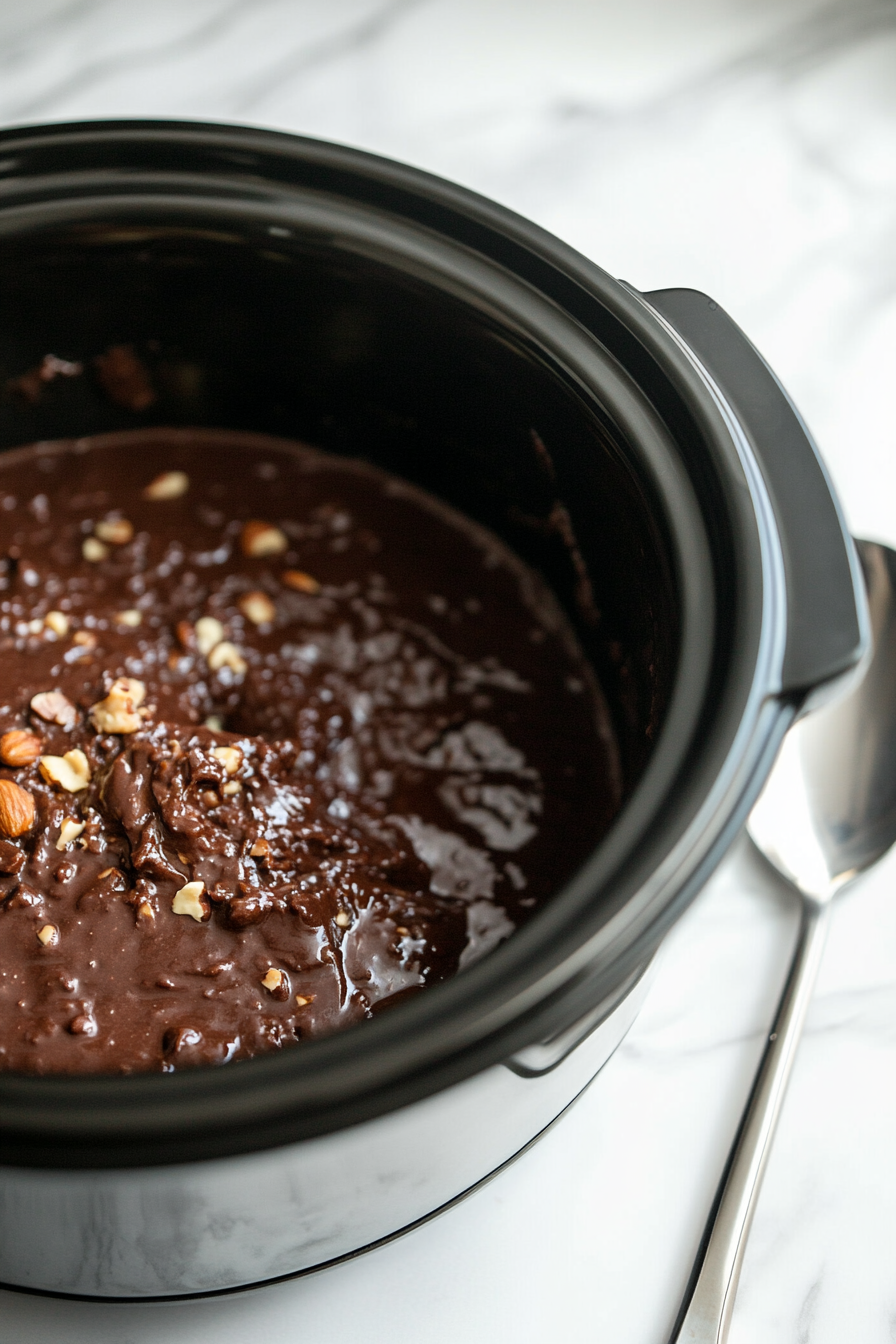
[215, 722]
[71, 771]
[48, 934]
[170, 485]
[116, 531]
[260, 849]
[300, 581]
[36, 626]
[258, 608]
[209, 632]
[226, 654]
[94, 550]
[85, 639]
[119, 712]
[69, 831]
[188, 901]
[402, 931]
[233, 786]
[273, 979]
[258, 538]
[107, 872]
[54, 707]
[16, 809]
[230, 757]
[146, 910]
[343, 919]
[303, 1000]
[19, 747]
[132, 617]
[57, 621]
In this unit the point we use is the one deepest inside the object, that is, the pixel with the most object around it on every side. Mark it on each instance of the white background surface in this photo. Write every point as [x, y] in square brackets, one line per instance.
[743, 147]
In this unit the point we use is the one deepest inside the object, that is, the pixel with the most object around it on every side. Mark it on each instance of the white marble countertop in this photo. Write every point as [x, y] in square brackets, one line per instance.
[743, 147]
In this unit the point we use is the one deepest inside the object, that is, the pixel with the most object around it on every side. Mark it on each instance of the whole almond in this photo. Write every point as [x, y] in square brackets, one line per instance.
[54, 707]
[258, 538]
[16, 809]
[19, 747]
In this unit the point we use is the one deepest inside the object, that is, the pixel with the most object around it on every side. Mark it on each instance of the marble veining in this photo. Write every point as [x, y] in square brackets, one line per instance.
[743, 147]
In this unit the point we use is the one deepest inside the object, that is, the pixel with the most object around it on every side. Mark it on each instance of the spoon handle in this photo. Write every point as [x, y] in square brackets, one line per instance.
[706, 1311]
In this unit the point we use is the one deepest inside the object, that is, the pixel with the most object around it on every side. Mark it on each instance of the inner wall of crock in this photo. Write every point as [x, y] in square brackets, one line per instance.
[307, 341]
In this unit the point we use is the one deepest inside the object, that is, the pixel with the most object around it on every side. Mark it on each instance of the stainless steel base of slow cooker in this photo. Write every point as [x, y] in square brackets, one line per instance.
[208, 1228]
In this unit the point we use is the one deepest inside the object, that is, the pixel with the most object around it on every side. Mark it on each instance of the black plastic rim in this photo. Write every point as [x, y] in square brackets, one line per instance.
[708, 764]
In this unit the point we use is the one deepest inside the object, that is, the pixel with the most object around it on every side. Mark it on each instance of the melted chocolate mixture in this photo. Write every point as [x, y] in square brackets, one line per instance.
[284, 740]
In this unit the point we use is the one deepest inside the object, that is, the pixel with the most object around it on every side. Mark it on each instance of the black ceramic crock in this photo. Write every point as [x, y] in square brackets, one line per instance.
[305, 289]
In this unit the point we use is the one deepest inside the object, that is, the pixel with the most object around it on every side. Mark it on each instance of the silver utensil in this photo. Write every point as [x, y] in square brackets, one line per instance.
[827, 813]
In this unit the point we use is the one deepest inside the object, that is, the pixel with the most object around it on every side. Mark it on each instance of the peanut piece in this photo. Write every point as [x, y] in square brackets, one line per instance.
[119, 712]
[258, 539]
[70, 772]
[170, 485]
[57, 621]
[69, 831]
[343, 919]
[188, 901]
[116, 531]
[258, 608]
[273, 979]
[16, 809]
[131, 618]
[54, 707]
[226, 654]
[94, 550]
[230, 757]
[48, 934]
[209, 632]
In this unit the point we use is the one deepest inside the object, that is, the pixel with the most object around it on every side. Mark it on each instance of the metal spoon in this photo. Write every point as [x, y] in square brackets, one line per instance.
[827, 813]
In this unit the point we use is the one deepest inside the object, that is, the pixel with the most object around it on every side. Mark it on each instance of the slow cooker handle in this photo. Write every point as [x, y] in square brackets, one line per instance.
[827, 622]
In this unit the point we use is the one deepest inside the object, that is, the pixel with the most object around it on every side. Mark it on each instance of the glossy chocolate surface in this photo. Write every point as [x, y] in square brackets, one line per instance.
[355, 747]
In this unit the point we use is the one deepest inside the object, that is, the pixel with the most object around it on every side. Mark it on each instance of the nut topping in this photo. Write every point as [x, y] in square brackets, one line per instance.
[302, 1000]
[226, 654]
[70, 772]
[19, 747]
[209, 632]
[300, 581]
[131, 618]
[145, 911]
[258, 608]
[16, 809]
[258, 539]
[233, 786]
[57, 621]
[276, 982]
[48, 934]
[230, 757]
[94, 550]
[189, 901]
[85, 639]
[54, 707]
[170, 485]
[343, 919]
[116, 531]
[69, 831]
[120, 711]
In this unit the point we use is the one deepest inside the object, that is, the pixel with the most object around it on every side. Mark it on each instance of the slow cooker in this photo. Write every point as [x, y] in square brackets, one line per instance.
[685, 523]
